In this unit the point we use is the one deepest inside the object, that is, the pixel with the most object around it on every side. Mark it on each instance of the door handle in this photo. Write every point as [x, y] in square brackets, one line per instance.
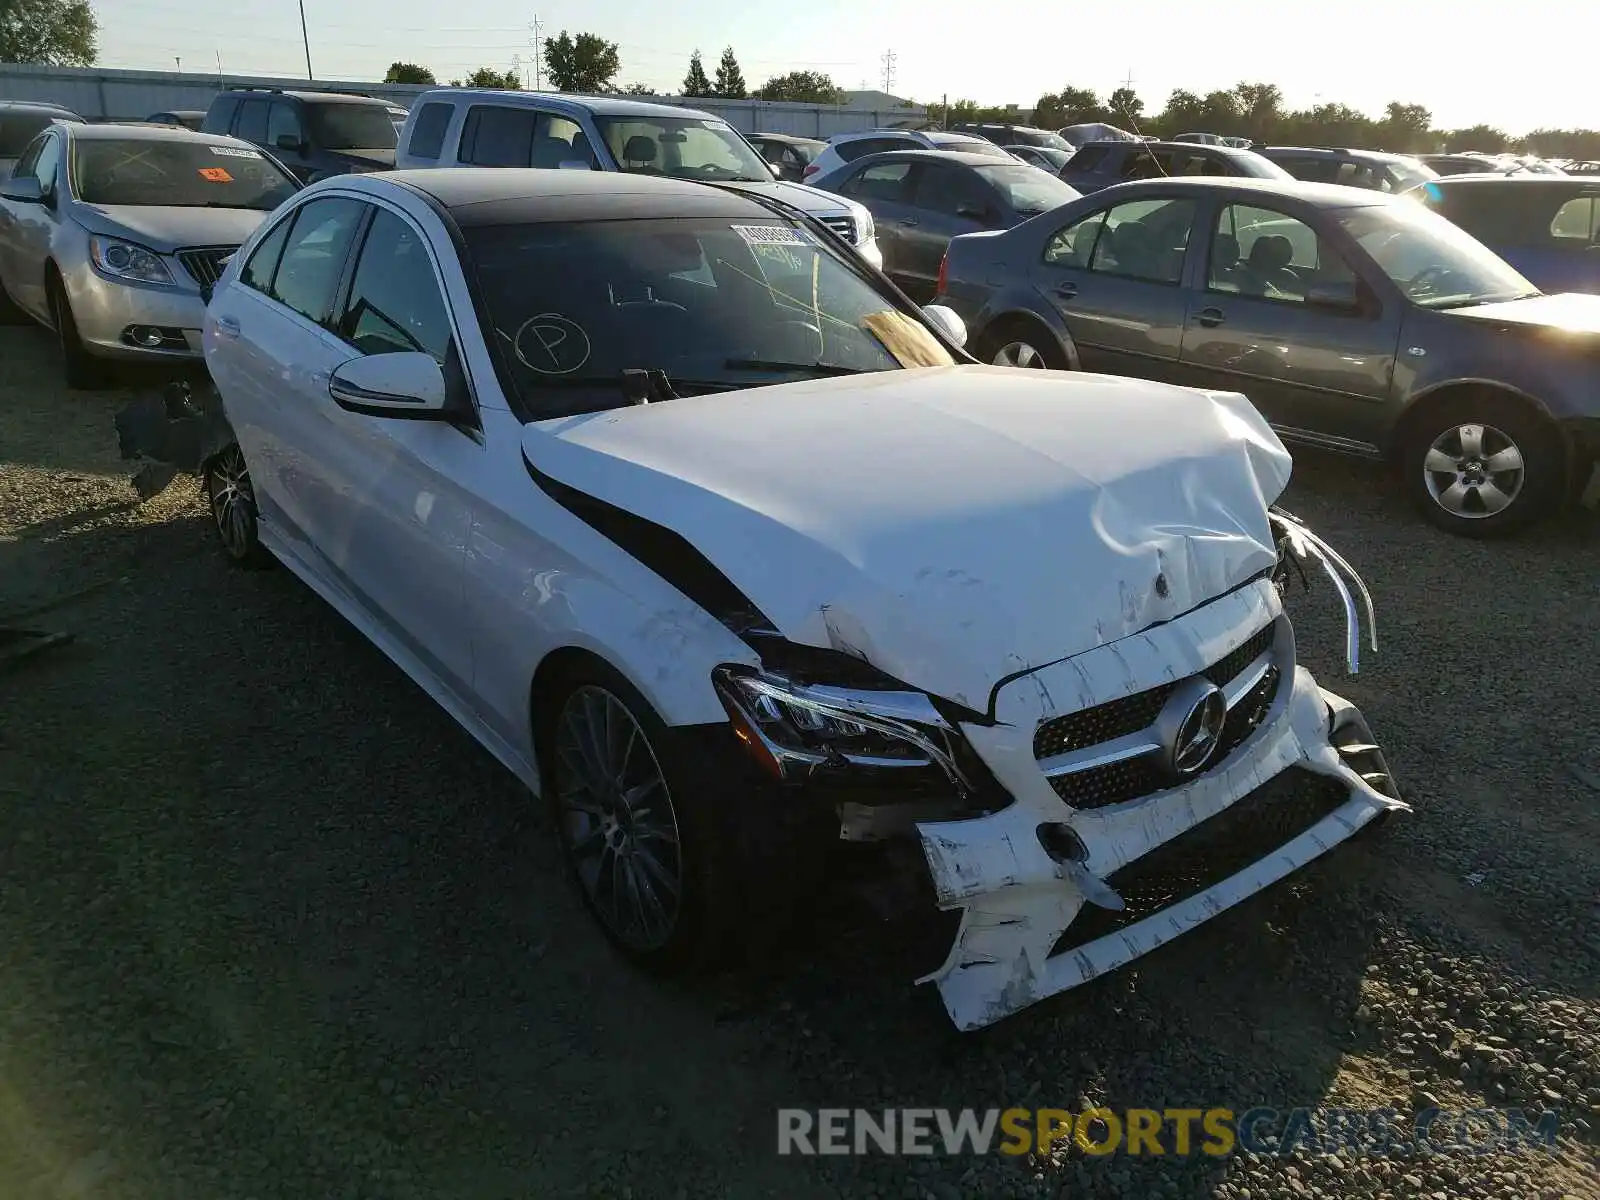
[1209, 317]
[908, 222]
[1066, 291]
[228, 326]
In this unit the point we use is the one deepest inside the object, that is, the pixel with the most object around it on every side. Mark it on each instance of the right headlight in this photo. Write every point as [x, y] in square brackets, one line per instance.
[793, 729]
[129, 260]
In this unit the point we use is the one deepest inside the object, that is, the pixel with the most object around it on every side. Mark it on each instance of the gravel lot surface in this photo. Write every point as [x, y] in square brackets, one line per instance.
[272, 926]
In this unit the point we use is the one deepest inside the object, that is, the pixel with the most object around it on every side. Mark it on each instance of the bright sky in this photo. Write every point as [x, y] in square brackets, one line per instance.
[1452, 58]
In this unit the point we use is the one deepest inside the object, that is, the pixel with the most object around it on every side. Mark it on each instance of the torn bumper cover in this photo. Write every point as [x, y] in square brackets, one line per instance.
[176, 431]
[1124, 750]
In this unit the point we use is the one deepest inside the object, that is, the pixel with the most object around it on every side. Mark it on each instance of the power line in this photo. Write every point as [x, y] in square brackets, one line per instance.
[888, 71]
[537, 29]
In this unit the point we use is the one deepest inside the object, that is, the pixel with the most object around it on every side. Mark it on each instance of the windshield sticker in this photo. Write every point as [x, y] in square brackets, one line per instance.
[231, 152]
[550, 344]
[773, 235]
[216, 174]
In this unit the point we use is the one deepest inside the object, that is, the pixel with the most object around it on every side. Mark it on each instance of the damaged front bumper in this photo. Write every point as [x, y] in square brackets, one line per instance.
[1107, 759]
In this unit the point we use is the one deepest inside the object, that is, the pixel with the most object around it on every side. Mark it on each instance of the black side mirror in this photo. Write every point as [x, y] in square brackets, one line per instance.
[288, 141]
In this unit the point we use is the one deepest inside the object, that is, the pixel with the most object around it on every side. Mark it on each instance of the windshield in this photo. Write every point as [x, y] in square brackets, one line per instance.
[685, 147]
[1043, 139]
[1434, 262]
[1028, 189]
[713, 304]
[351, 126]
[1408, 173]
[176, 174]
[1052, 160]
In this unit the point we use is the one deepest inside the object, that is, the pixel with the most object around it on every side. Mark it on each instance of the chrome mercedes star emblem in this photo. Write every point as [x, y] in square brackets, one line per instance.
[1191, 725]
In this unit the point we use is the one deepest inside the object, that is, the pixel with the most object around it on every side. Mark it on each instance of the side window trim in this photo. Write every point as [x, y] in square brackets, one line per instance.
[344, 266]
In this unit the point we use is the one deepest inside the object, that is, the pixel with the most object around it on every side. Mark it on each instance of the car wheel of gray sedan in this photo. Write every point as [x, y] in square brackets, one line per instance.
[635, 825]
[1018, 354]
[233, 508]
[81, 370]
[1484, 467]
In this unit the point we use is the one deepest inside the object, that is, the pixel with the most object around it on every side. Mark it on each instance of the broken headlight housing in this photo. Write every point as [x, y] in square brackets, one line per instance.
[796, 729]
[1297, 545]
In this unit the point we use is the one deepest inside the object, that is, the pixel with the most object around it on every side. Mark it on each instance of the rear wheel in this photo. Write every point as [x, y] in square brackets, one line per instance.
[1483, 465]
[79, 368]
[1022, 344]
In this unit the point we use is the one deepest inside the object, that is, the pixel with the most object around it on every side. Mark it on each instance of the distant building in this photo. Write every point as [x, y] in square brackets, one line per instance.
[875, 100]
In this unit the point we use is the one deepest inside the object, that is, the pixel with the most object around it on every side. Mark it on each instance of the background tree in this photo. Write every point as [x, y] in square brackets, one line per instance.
[696, 82]
[1406, 128]
[403, 72]
[488, 77]
[1260, 109]
[1047, 112]
[587, 63]
[1080, 106]
[803, 87]
[1477, 137]
[59, 33]
[639, 89]
[730, 83]
[1126, 107]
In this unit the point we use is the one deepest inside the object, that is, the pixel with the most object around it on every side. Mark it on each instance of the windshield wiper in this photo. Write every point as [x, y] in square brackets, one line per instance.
[811, 368]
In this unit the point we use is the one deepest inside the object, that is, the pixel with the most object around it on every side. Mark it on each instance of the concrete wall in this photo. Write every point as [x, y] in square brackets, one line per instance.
[133, 95]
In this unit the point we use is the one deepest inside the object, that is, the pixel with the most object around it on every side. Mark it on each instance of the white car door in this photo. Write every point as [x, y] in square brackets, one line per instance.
[271, 354]
[395, 526]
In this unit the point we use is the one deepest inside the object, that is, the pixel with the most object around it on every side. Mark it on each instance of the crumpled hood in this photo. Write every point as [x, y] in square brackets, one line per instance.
[1572, 312]
[165, 229]
[953, 526]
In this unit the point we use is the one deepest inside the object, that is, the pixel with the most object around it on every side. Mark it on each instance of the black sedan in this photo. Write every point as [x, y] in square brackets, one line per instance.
[1101, 164]
[1546, 226]
[1355, 321]
[920, 199]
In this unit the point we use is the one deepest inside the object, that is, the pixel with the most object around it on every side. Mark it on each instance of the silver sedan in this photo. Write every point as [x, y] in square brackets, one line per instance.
[112, 236]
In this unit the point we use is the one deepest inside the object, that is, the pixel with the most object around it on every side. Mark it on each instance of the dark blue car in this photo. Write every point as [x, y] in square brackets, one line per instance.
[1546, 226]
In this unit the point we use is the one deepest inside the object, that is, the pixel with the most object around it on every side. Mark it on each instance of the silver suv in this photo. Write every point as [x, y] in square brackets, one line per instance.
[471, 127]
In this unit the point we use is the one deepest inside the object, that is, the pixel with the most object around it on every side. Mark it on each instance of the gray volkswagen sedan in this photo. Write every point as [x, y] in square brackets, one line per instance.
[112, 236]
[1354, 321]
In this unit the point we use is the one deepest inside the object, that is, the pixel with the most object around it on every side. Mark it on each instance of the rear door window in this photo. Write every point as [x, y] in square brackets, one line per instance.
[1577, 221]
[314, 256]
[889, 181]
[497, 136]
[427, 132]
[252, 123]
[1145, 240]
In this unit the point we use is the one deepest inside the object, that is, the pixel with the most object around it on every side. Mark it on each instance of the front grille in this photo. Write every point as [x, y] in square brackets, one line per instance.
[206, 263]
[1229, 665]
[844, 226]
[1227, 843]
[1091, 726]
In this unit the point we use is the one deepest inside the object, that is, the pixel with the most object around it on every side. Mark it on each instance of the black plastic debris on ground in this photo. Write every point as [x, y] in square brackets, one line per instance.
[17, 645]
[177, 431]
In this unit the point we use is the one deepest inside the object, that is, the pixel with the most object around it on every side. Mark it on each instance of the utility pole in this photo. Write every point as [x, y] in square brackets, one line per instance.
[888, 71]
[306, 38]
[537, 28]
[178, 60]
[516, 68]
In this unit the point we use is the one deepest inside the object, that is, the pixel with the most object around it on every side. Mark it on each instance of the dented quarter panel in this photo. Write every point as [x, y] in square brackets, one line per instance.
[953, 525]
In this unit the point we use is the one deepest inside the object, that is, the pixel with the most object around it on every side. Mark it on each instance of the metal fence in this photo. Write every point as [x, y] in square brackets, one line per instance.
[133, 95]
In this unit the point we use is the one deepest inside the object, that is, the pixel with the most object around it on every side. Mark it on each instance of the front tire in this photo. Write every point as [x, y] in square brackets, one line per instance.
[234, 514]
[81, 370]
[1483, 466]
[637, 824]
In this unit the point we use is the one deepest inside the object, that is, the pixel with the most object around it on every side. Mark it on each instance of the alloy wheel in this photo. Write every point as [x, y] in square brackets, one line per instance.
[233, 501]
[616, 819]
[1473, 471]
[1018, 354]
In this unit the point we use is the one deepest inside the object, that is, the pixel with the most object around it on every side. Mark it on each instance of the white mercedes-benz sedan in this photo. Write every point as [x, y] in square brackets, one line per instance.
[729, 552]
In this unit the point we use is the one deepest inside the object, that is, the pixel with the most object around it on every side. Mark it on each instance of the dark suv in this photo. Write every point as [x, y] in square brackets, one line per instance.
[1015, 135]
[1354, 168]
[314, 134]
[1101, 164]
